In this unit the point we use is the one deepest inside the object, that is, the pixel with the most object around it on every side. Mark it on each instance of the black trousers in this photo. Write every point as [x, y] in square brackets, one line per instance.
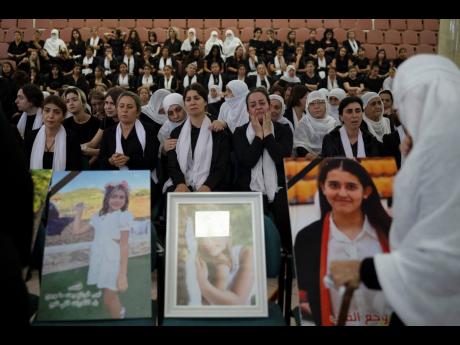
[279, 209]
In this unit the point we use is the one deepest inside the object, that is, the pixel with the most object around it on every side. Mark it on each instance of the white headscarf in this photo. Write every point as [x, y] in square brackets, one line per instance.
[230, 44]
[377, 128]
[54, 44]
[186, 45]
[264, 177]
[310, 132]
[281, 119]
[334, 109]
[287, 78]
[213, 99]
[234, 111]
[196, 169]
[140, 132]
[38, 121]
[213, 40]
[421, 277]
[169, 126]
[154, 105]
[60, 147]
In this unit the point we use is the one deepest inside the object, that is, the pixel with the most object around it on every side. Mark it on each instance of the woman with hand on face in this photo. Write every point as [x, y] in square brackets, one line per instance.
[51, 146]
[260, 146]
[309, 134]
[130, 145]
[200, 161]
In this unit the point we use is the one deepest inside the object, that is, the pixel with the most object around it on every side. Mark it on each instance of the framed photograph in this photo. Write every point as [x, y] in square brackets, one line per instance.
[97, 258]
[215, 256]
[337, 189]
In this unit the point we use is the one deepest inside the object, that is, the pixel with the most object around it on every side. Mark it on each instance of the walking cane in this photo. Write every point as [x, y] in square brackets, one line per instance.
[345, 306]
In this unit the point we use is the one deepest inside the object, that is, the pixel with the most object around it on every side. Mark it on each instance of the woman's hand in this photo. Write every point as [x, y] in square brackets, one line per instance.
[267, 125]
[204, 188]
[182, 188]
[217, 126]
[311, 156]
[345, 273]
[170, 144]
[406, 145]
[201, 271]
[256, 126]
[122, 282]
[119, 160]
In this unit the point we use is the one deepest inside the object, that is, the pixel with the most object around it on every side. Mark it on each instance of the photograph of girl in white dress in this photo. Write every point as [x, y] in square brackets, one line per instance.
[98, 267]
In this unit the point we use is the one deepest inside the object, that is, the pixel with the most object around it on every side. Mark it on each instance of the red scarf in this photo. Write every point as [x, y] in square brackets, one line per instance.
[325, 298]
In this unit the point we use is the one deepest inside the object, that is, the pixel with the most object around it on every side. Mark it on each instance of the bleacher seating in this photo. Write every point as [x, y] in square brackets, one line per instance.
[418, 35]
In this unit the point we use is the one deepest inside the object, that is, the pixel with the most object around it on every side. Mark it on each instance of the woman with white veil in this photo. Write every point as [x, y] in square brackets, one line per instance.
[213, 40]
[377, 124]
[231, 43]
[54, 44]
[309, 134]
[420, 277]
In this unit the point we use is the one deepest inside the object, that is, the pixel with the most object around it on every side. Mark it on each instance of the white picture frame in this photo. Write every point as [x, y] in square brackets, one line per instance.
[241, 224]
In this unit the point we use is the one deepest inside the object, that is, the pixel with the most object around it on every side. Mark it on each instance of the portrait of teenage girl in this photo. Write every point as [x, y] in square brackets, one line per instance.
[108, 264]
[353, 225]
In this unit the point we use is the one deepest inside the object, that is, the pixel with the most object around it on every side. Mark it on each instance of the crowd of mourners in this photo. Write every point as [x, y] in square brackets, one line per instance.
[218, 115]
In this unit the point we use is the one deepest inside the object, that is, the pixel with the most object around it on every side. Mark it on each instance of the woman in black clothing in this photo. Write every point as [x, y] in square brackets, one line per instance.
[329, 43]
[166, 59]
[17, 49]
[29, 101]
[51, 146]
[37, 43]
[76, 46]
[357, 140]
[173, 43]
[290, 47]
[311, 46]
[233, 62]
[383, 63]
[362, 63]
[55, 80]
[153, 44]
[310, 79]
[353, 84]
[135, 42]
[257, 43]
[260, 146]
[373, 82]
[131, 144]
[215, 55]
[351, 44]
[115, 40]
[210, 150]
[342, 63]
[271, 45]
[195, 57]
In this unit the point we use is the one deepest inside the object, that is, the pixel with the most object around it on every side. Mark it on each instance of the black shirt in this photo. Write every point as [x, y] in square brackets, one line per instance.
[53, 83]
[270, 47]
[174, 47]
[342, 64]
[310, 48]
[107, 122]
[29, 123]
[32, 45]
[259, 45]
[305, 79]
[117, 46]
[17, 49]
[361, 63]
[84, 132]
[138, 159]
[219, 160]
[78, 48]
[332, 145]
[354, 82]
[333, 43]
[374, 85]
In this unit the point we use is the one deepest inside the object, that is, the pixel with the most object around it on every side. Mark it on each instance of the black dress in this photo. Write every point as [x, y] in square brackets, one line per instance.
[374, 85]
[219, 160]
[138, 159]
[73, 152]
[332, 145]
[84, 132]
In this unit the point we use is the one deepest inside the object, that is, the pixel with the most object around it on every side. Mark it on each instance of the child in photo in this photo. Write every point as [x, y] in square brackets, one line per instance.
[108, 264]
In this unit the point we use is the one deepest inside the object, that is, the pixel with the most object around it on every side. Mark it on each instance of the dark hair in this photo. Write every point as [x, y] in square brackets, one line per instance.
[33, 94]
[377, 55]
[199, 89]
[326, 32]
[152, 33]
[259, 89]
[277, 88]
[290, 32]
[72, 39]
[400, 50]
[371, 207]
[96, 94]
[298, 91]
[57, 101]
[114, 93]
[388, 92]
[348, 100]
[108, 191]
[257, 29]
